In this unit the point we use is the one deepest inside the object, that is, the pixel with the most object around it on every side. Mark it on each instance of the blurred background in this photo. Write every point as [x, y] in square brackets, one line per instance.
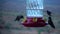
[9, 9]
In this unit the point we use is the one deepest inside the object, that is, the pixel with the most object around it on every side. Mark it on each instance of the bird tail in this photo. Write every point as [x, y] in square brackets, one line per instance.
[50, 22]
[18, 18]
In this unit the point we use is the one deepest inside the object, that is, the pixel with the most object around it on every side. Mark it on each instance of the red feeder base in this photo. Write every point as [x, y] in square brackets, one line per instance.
[29, 23]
